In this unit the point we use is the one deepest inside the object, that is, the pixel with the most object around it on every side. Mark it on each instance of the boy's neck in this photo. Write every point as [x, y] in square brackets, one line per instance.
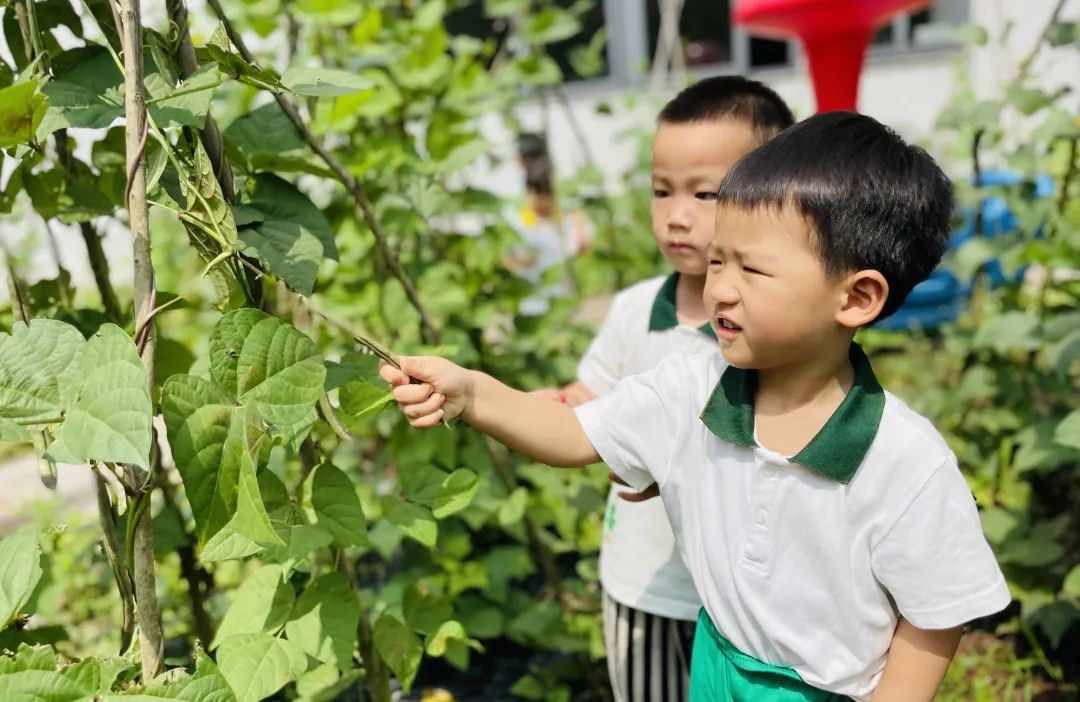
[689, 300]
[793, 402]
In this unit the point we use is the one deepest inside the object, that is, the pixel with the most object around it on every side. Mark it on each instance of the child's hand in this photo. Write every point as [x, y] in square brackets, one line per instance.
[577, 393]
[444, 390]
[631, 495]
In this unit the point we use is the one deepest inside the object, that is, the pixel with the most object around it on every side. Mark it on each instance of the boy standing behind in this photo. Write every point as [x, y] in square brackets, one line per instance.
[650, 603]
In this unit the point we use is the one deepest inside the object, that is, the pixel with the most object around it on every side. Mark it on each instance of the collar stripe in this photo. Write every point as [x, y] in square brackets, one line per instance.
[836, 451]
[663, 315]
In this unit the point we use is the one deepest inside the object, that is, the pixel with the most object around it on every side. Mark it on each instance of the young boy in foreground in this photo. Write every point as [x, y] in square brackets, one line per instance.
[650, 603]
[836, 547]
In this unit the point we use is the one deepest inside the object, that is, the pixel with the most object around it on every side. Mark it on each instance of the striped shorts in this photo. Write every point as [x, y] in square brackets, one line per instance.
[648, 656]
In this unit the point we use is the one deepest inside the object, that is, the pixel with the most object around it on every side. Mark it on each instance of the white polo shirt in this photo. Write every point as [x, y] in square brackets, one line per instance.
[640, 565]
[804, 562]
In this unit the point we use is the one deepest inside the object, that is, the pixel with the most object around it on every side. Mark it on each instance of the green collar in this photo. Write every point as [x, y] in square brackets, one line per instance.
[837, 450]
[663, 309]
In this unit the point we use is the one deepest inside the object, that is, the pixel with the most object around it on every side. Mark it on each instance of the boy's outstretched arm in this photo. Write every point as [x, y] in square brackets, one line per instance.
[918, 659]
[543, 429]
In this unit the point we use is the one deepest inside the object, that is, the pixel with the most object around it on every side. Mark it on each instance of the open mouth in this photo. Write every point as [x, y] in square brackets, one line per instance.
[726, 324]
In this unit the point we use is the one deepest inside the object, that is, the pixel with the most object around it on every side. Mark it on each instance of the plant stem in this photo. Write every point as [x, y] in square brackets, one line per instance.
[107, 519]
[364, 209]
[1027, 61]
[541, 552]
[210, 135]
[152, 641]
[200, 583]
[23, 21]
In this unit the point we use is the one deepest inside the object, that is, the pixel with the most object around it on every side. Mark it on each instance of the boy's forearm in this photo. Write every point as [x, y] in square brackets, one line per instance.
[543, 429]
[917, 662]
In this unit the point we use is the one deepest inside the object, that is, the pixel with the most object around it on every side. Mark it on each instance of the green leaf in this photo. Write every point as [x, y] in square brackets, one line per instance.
[266, 130]
[86, 91]
[506, 8]
[430, 15]
[1027, 100]
[1055, 619]
[261, 605]
[258, 665]
[549, 25]
[421, 482]
[20, 571]
[301, 540]
[972, 35]
[997, 524]
[1071, 586]
[399, 647]
[365, 394]
[249, 528]
[10, 431]
[206, 685]
[1037, 550]
[330, 501]
[331, 12]
[111, 417]
[1008, 331]
[186, 104]
[22, 107]
[415, 521]
[265, 362]
[458, 490]
[325, 683]
[449, 633]
[352, 366]
[423, 611]
[480, 617]
[325, 620]
[1067, 432]
[199, 416]
[39, 369]
[513, 509]
[234, 65]
[33, 676]
[1037, 450]
[323, 82]
[1064, 353]
[293, 238]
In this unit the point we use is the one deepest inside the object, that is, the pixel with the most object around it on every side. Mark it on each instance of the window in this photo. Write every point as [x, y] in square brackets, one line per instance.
[930, 28]
[708, 38]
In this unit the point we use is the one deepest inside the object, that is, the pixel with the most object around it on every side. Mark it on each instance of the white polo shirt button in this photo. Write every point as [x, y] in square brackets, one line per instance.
[760, 518]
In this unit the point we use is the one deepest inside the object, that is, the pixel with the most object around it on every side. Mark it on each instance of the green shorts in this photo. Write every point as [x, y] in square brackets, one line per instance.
[720, 672]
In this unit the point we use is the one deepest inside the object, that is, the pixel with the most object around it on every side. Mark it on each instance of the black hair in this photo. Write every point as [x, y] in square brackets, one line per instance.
[732, 97]
[539, 177]
[531, 146]
[872, 200]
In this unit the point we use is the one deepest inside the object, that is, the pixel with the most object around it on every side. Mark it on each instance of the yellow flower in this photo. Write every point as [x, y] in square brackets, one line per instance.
[529, 217]
[436, 695]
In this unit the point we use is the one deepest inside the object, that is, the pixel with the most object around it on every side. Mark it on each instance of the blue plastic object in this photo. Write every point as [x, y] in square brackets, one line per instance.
[938, 299]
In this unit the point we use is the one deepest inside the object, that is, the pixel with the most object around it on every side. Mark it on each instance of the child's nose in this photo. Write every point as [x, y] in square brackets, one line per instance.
[721, 293]
[679, 215]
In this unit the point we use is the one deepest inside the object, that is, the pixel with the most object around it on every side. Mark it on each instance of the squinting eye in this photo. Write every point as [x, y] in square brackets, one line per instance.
[659, 193]
[716, 262]
[753, 271]
[707, 196]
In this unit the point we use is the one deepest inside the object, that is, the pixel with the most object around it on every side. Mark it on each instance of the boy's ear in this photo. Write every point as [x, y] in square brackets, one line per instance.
[863, 296]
